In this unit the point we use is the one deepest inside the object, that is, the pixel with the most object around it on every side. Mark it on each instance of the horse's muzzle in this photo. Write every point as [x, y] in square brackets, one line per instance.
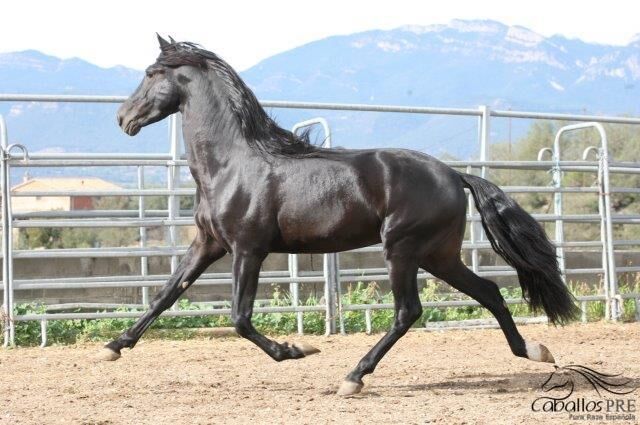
[128, 124]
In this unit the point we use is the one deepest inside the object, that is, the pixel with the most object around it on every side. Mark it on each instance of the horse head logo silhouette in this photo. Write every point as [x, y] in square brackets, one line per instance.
[563, 378]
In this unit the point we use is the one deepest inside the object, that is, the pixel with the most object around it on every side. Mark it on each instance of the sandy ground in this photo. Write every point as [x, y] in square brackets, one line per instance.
[450, 376]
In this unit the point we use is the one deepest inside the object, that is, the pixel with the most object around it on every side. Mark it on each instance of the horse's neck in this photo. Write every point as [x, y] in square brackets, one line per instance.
[212, 135]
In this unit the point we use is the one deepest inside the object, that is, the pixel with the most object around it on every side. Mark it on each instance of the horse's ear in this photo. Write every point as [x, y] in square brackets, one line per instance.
[172, 40]
[163, 43]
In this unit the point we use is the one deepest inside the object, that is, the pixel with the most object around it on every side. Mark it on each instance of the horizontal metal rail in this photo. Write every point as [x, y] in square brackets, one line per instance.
[71, 98]
[89, 306]
[136, 283]
[279, 309]
[478, 323]
[189, 221]
[162, 251]
[59, 160]
[564, 117]
[527, 165]
[192, 192]
[264, 103]
[115, 281]
[113, 222]
[54, 214]
[168, 313]
[188, 215]
[365, 275]
[49, 163]
[360, 107]
[110, 252]
[163, 276]
[98, 193]
[89, 156]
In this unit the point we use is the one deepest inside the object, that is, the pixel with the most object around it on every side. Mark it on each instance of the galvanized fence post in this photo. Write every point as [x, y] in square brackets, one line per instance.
[557, 209]
[173, 181]
[144, 261]
[477, 231]
[612, 283]
[294, 288]
[338, 286]
[6, 230]
[485, 136]
[603, 230]
[329, 293]
[474, 229]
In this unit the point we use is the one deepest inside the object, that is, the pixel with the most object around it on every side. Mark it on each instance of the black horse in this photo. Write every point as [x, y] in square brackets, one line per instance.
[262, 189]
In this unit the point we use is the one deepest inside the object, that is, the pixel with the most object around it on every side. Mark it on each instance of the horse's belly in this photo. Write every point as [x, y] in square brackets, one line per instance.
[317, 232]
[320, 246]
[324, 245]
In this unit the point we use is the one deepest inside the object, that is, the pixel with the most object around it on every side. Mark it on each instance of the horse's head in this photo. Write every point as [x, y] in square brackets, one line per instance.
[157, 96]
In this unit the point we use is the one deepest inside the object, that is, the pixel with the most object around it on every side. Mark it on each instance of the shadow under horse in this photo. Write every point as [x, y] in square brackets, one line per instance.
[262, 189]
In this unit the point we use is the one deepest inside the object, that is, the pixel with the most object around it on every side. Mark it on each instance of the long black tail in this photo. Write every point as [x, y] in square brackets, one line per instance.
[524, 245]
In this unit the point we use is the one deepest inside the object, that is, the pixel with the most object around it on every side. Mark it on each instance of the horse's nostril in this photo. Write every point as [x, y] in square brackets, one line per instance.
[120, 118]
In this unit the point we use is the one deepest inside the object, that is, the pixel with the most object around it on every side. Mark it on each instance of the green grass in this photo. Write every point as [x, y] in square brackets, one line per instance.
[73, 331]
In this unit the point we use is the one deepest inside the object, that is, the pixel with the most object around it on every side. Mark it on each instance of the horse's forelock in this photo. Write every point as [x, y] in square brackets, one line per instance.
[182, 53]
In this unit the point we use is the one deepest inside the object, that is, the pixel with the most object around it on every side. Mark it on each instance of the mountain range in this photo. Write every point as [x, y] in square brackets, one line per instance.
[460, 64]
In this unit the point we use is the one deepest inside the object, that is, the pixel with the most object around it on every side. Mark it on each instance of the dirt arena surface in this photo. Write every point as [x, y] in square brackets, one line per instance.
[452, 376]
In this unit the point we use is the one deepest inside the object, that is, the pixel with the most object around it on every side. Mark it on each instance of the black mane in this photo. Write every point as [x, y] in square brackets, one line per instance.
[260, 130]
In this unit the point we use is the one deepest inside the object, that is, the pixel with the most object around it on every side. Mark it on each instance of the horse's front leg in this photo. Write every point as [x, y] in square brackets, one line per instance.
[200, 255]
[246, 270]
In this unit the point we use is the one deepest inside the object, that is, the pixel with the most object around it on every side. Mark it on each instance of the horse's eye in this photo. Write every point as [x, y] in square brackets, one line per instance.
[151, 72]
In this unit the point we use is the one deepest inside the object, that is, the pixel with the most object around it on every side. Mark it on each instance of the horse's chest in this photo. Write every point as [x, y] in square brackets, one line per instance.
[234, 216]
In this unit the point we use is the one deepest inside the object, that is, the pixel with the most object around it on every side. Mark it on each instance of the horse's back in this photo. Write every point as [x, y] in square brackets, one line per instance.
[402, 179]
[351, 198]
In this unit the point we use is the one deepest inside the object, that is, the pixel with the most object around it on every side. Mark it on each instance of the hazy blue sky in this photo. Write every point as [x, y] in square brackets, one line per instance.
[244, 32]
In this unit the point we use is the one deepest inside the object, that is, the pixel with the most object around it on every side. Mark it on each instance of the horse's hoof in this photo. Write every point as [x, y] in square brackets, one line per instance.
[306, 349]
[539, 353]
[107, 355]
[348, 388]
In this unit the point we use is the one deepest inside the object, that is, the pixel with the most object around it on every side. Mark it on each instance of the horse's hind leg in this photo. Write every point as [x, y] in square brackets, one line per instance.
[403, 276]
[199, 256]
[486, 292]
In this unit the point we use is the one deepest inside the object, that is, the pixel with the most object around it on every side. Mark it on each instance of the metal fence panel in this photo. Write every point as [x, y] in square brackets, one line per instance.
[333, 276]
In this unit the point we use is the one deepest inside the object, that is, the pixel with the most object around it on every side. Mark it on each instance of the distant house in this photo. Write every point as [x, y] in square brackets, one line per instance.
[62, 203]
